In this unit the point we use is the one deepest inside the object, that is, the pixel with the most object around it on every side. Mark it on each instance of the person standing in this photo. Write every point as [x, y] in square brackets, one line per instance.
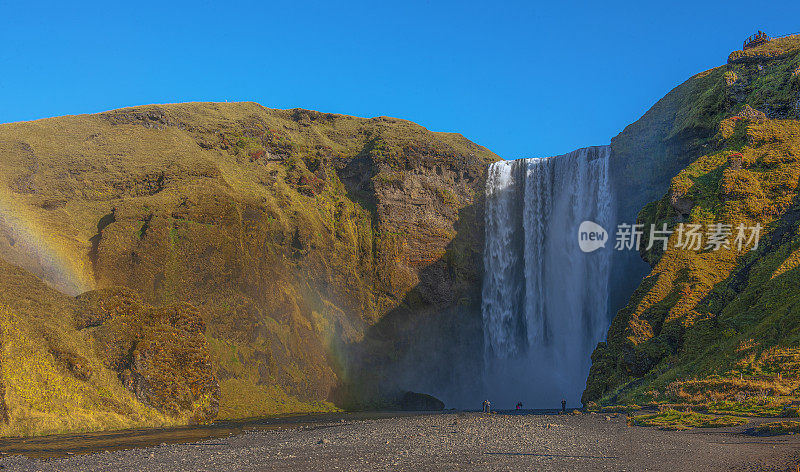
[563, 406]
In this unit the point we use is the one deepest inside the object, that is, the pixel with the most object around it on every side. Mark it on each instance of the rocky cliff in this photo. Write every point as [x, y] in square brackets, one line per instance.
[713, 327]
[310, 249]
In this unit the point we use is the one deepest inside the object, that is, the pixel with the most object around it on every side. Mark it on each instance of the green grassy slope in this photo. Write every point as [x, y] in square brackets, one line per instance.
[718, 328]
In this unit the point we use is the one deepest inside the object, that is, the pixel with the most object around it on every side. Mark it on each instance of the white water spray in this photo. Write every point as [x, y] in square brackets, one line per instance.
[545, 303]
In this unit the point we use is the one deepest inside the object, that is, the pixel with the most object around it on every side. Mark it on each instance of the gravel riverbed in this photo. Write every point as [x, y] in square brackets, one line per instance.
[451, 442]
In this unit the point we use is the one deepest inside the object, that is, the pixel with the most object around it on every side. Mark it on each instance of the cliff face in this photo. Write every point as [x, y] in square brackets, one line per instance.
[648, 153]
[706, 326]
[308, 242]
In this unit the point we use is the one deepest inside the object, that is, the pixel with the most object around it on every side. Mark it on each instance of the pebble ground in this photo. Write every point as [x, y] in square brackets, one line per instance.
[452, 442]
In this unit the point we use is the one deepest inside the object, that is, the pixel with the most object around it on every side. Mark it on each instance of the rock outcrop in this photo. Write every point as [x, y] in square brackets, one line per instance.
[160, 354]
[102, 360]
[413, 401]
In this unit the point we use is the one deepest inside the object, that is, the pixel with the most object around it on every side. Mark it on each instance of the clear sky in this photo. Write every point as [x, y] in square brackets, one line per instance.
[523, 78]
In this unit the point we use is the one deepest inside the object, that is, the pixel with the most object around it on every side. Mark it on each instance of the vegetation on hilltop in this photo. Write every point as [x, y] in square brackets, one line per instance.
[775, 48]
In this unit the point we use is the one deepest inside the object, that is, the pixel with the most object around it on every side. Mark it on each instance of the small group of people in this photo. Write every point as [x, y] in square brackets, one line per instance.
[487, 406]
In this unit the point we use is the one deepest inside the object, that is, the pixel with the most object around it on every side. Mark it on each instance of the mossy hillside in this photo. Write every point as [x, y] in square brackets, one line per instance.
[677, 129]
[57, 375]
[696, 314]
[161, 354]
[43, 397]
[292, 231]
[684, 124]
[713, 326]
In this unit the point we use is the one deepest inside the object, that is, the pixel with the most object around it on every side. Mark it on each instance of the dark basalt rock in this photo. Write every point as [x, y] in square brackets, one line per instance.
[413, 401]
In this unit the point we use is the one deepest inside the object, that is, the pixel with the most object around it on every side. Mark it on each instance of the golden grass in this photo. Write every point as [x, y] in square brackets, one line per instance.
[778, 427]
[41, 398]
[247, 400]
[776, 48]
[618, 408]
[719, 326]
[679, 420]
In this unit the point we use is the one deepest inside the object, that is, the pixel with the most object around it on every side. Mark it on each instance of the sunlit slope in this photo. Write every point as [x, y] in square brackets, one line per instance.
[291, 231]
[713, 326]
[91, 363]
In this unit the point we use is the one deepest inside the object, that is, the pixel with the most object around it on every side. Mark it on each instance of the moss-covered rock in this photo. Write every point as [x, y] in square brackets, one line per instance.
[67, 363]
[160, 354]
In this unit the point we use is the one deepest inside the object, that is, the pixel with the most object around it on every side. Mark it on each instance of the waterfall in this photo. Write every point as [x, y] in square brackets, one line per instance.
[545, 302]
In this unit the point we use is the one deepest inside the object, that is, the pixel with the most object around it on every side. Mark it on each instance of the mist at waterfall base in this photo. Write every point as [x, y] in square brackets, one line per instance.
[545, 303]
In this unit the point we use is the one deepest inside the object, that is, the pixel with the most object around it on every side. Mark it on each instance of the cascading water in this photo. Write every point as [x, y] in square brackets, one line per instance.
[545, 302]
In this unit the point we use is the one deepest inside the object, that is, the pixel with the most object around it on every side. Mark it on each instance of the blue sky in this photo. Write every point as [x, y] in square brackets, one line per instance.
[524, 79]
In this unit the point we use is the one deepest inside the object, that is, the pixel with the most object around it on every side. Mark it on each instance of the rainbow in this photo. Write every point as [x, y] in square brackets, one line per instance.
[25, 242]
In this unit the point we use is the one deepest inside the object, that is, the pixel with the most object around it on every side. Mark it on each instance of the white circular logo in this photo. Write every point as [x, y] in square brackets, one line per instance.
[591, 236]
